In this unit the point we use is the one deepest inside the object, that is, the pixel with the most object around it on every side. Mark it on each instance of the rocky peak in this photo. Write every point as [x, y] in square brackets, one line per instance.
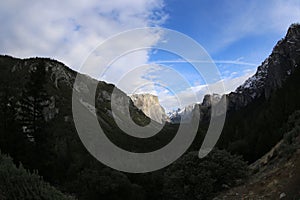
[150, 106]
[272, 73]
[293, 31]
[211, 99]
[183, 115]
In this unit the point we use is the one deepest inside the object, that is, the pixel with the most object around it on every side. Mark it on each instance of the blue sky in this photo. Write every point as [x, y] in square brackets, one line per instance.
[232, 30]
[237, 34]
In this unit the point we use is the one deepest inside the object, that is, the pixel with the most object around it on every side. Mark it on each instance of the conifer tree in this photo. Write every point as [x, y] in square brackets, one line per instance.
[12, 140]
[32, 118]
[34, 100]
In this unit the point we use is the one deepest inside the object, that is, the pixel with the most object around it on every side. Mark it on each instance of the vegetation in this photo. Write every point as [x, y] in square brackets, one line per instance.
[16, 183]
[54, 148]
[254, 130]
[191, 178]
[290, 144]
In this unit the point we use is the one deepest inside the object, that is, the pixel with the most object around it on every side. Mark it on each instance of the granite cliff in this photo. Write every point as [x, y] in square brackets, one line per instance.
[150, 105]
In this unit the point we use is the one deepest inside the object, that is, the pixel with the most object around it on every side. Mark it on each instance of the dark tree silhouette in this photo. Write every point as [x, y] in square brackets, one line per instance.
[34, 100]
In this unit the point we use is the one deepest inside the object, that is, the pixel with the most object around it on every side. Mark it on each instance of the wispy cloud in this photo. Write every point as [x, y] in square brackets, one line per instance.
[175, 88]
[233, 62]
[68, 30]
[255, 18]
[171, 101]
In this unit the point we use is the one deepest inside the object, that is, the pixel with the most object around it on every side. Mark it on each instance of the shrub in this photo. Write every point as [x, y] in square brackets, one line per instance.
[106, 184]
[289, 144]
[191, 178]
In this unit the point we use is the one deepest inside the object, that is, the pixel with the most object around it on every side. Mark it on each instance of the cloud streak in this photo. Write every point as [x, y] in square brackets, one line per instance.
[234, 62]
[255, 18]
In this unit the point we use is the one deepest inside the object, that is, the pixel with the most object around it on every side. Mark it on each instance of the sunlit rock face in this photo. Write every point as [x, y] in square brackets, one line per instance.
[150, 106]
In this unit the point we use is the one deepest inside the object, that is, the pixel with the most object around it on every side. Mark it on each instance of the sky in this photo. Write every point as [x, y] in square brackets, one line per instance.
[237, 35]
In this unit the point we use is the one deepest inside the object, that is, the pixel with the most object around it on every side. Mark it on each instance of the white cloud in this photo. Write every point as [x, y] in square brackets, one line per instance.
[255, 18]
[234, 62]
[171, 101]
[69, 30]
[173, 87]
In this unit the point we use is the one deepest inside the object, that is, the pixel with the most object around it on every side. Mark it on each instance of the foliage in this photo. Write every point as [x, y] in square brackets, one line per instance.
[290, 144]
[255, 129]
[107, 184]
[11, 139]
[191, 178]
[31, 116]
[17, 183]
[62, 160]
[34, 100]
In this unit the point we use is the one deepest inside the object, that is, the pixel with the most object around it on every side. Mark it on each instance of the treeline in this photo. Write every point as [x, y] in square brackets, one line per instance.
[16, 183]
[254, 130]
[39, 137]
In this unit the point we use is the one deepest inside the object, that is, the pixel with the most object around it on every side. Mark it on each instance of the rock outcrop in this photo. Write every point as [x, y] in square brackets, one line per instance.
[150, 106]
[183, 115]
[59, 84]
[272, 73]
[186, 114]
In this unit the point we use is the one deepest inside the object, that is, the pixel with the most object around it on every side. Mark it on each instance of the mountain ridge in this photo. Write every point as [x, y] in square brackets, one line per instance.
[253, 126]
[273, 71]
[264, 102]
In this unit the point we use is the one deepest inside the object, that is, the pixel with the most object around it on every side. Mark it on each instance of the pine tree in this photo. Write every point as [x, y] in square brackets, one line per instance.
[20, 184]
[34, 100]
[12, 140]
[32, 118]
